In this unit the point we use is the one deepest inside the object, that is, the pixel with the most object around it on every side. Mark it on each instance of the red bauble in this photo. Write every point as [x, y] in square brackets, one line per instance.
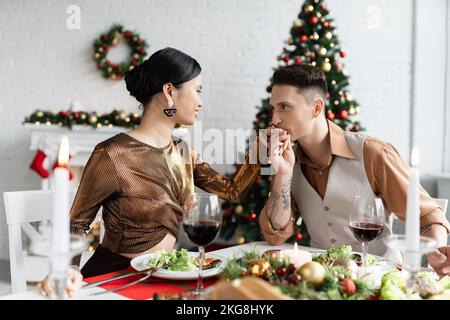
[323, 6]
[286, 59]
[303, 38]
[314, 20]
[328, 95]
[142, 51]
[342, 54]
[330, 116]
[299, 236]
[105, 37]
[298, 60]
[343, 114]
[76, 115]
[127, 34]
[134, 62]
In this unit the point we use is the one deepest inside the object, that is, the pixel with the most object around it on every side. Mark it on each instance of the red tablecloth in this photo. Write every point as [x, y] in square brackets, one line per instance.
[148, 288]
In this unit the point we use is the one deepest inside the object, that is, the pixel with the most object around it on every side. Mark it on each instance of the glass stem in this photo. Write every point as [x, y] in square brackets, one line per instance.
[364, 247]
[201, 251]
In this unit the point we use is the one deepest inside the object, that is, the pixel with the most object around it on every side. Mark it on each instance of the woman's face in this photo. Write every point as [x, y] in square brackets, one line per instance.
[187, 101]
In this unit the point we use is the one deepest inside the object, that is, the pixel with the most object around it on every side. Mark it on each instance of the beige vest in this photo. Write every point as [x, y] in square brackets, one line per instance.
[327, 218]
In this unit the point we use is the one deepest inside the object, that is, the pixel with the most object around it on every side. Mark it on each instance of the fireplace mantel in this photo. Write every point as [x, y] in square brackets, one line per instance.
[82, 141]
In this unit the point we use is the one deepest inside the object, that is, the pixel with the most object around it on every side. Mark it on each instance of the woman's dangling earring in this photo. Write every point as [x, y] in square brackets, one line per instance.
[170, 111]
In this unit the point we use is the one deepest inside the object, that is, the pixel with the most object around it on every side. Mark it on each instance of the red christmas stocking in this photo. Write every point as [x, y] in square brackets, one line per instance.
[70, 172]
[37, 164]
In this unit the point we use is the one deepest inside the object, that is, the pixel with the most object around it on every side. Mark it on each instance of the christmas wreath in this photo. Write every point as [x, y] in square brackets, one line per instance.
[112, 38]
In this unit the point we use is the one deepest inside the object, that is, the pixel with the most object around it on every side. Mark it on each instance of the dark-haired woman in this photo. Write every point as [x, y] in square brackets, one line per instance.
[144, 179]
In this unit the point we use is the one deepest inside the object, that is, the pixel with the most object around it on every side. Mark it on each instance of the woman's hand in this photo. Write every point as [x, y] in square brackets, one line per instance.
[47, 287]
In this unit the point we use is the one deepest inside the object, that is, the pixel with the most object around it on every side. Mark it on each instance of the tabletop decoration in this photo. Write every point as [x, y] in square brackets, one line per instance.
[335, 274]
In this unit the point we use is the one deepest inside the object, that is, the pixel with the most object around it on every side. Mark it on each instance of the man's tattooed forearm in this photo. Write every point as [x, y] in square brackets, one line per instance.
[273, 207]
[275, 197]
[286, 194]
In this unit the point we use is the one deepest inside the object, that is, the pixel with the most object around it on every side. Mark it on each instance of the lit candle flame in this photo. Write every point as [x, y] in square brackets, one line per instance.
[63, 156]
[415, 157]
[295, 247]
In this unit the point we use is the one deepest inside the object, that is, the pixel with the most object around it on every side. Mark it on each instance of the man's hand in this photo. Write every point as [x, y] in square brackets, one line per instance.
[440, 260]
[47, 288]
[281, 154]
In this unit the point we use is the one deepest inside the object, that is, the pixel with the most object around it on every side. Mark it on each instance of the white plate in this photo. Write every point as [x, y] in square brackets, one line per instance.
[139, 264]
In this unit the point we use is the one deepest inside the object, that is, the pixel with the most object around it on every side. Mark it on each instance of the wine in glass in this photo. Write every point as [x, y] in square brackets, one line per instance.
[202, 225]
[366, 223]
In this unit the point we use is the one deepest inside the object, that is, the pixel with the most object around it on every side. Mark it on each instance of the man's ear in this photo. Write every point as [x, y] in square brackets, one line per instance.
[168, 90]
[318, 107]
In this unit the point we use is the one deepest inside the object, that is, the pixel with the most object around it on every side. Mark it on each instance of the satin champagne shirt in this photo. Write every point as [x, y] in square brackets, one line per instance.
[145, 190]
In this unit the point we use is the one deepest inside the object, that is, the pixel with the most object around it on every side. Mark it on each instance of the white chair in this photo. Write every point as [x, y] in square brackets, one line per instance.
[22, 208]
[398, 226]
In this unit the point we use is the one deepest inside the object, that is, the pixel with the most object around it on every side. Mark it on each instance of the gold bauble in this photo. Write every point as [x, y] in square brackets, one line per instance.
[322, 51]
[240, 240]
[313, 63]
[97, 55]
[328, 35]
[318, 15]
[238, 209]
[93, 119]
[39, 113]
[298, 23]
[100, 49]
[326, 67]
[349, 97]
[315, 36]
[357, 109]
[122, 115]
[290, 41]
[309, 8]
[258, 267]
[312, 272]
[331, 45]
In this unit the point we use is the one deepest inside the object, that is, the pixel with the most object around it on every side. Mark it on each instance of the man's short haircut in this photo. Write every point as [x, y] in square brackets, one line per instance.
[309, 80]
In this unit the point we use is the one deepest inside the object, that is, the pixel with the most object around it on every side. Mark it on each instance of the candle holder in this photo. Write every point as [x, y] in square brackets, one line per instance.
[59, 264]
[411, 260]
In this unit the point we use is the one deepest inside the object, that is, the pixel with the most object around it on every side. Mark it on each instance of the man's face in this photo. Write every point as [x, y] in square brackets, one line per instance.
[291, 111]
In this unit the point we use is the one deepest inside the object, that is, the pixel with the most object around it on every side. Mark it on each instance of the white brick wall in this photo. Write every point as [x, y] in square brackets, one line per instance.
[46, 65]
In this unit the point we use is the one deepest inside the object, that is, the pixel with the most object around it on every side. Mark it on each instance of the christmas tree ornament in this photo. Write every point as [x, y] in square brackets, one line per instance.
[239, 209]
[326, 67]
[328, 35]
[322, 51]
[314, 20]
[342, 54]
[309, 8]
[298, 23]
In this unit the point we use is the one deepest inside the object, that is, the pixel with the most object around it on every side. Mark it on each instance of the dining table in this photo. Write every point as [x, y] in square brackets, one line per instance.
[153, 287]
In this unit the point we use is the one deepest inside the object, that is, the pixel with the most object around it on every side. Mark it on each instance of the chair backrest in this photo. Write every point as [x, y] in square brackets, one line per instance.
[399, 227]
[23, 208]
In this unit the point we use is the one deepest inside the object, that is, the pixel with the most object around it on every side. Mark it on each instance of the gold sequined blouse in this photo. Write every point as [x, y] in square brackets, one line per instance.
[145, 190]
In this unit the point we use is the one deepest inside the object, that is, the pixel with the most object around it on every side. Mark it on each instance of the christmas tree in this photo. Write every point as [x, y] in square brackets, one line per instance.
[313, 41]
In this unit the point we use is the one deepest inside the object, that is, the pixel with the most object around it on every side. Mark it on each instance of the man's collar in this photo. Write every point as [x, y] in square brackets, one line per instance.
[338, 144]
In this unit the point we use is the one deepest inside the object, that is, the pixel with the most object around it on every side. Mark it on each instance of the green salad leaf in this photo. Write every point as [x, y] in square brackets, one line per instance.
[174, 260]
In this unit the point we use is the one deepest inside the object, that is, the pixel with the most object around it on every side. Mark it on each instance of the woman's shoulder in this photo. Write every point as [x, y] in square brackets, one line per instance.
[115, 143]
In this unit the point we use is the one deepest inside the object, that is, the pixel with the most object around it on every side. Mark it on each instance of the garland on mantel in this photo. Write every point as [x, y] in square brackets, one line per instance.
[117, 118]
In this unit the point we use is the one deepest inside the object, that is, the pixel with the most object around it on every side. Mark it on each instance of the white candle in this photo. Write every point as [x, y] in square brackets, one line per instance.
[60, 217]
[296, 257]
[413, 211]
